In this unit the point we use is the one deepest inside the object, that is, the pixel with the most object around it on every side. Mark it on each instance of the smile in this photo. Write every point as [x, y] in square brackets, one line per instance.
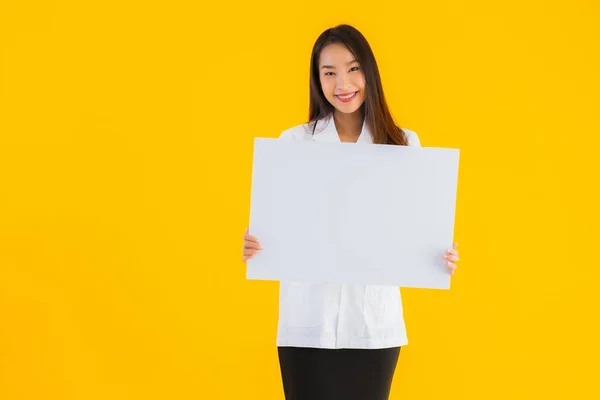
[346, 98]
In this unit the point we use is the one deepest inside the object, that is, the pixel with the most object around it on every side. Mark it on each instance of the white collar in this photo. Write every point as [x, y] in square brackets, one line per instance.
[327, 132]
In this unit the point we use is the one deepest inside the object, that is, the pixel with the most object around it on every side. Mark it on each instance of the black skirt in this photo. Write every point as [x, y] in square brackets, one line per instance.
[332, 374]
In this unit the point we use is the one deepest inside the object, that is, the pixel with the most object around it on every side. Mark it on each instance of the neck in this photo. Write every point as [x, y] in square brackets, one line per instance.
[348, 126]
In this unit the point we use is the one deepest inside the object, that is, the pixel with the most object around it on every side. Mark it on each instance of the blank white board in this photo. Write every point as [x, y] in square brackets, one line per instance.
[347, 213]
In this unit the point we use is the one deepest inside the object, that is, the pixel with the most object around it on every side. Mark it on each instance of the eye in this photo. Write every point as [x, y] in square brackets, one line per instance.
[329, 73]
[354, 69]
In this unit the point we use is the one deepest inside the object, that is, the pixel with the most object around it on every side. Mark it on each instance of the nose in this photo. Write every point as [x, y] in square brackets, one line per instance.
[343, 82]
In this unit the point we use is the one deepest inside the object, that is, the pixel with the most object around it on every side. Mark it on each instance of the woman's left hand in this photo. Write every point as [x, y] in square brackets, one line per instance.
[451, 258]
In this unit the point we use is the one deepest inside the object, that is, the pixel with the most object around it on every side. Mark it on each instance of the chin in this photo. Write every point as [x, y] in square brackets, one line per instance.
[348, 109]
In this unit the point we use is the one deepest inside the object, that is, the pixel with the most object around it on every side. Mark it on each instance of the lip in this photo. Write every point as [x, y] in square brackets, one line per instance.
[348, 99]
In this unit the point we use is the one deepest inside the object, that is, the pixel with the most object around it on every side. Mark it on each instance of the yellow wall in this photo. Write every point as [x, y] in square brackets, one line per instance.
[125, 158]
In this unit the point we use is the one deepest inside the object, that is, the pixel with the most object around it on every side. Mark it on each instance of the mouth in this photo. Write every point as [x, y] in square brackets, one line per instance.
[346, 97]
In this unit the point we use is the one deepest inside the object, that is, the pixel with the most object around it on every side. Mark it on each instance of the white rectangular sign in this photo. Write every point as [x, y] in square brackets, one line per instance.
[349, 213]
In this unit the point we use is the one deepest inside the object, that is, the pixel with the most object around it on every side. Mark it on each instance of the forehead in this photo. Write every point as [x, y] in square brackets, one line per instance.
[335, 54]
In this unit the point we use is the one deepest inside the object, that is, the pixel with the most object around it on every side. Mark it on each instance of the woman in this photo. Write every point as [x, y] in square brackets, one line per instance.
[339, 341]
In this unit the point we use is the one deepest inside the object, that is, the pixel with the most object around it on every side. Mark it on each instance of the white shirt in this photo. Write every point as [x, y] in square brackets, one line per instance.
[339, 315]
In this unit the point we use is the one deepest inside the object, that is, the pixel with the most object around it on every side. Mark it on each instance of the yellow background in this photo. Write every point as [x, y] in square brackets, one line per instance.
[126, 135]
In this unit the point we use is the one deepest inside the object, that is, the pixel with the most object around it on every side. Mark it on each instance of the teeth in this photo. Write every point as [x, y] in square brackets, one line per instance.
[347, 96]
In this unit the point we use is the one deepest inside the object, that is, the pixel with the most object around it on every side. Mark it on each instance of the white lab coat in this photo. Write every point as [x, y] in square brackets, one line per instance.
[339, 315]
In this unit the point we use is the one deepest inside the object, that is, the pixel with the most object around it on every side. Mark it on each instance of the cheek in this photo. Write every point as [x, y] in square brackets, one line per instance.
[328, 87]
[360, 81]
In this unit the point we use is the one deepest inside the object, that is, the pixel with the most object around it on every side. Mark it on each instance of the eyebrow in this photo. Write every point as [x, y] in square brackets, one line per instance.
[332, 67]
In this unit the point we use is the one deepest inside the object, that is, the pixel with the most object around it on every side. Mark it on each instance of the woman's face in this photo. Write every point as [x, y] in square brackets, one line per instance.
[342, 80]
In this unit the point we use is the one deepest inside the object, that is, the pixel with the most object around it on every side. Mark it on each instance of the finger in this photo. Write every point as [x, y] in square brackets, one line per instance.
[455, 245]
[451, 257]
[248, 237]
[452, 251]
[252, 245]
[451, 265]
[249, 252]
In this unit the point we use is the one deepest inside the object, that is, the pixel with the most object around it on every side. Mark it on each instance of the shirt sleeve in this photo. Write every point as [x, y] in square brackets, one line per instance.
[288, 134]
[413, 138]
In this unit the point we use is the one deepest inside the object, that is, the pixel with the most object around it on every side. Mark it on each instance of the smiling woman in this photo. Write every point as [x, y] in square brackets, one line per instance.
[342, 80]
[345, 82]
[341, 341]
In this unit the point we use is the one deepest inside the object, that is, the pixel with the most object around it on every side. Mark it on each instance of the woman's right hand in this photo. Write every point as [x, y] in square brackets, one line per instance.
[251, 246]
